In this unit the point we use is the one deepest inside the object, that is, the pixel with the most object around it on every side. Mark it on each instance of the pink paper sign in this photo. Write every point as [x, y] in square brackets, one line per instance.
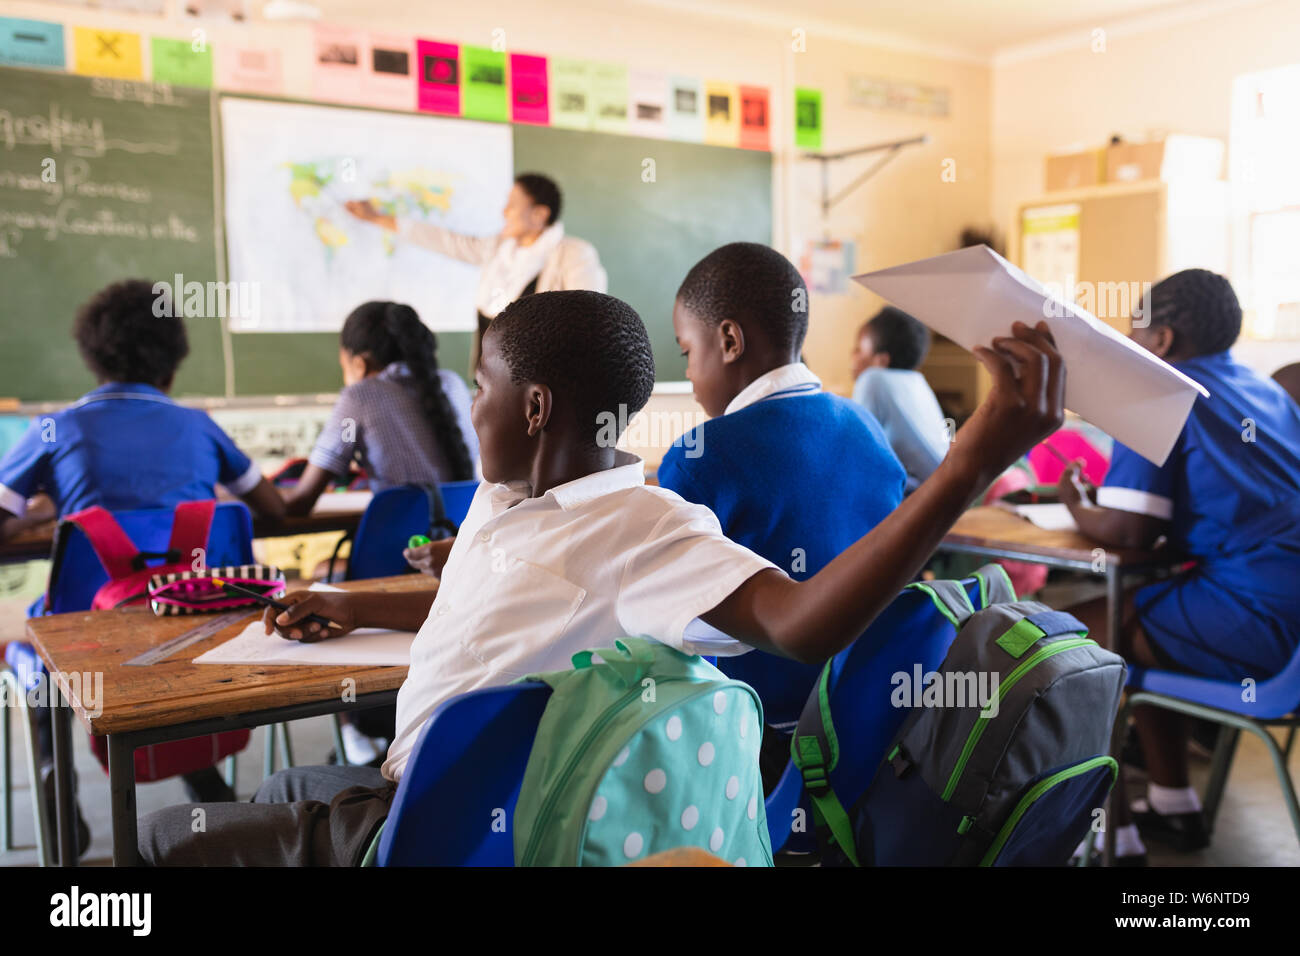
[438, 77]
[529, 102]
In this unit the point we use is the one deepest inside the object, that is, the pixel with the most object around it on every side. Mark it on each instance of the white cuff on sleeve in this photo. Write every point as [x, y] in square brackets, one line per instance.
[12, 502]
[245, 482]
[1137, 502]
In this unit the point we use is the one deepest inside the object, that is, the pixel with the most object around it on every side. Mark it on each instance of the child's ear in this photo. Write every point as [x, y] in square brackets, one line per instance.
[731, 340]
[538, 409]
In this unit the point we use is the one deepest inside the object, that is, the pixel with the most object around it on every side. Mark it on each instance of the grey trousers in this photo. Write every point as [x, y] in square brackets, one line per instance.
[306, 816]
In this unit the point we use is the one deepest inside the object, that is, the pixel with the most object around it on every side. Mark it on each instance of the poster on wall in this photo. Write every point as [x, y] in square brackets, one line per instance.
[310, 260]
[648, 103]
[721, 114]
[609, 97]
[31, 43]
[807, 118]
[529, 99]
[245, 70]
[107, 53]
[754, 120]
[179, 63]
[483, 84]
[827, 265]
[388, 80]
[686, 109]
[1050, 246]
[337, 57]
[438, 79]
[571, 93]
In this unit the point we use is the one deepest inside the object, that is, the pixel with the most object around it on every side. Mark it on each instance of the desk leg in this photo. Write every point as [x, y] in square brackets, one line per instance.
[121, 786]
[64, 797]
[1114, 617]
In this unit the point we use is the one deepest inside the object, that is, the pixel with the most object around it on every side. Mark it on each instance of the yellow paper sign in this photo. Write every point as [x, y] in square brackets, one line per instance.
[721, 114]
[107, 53]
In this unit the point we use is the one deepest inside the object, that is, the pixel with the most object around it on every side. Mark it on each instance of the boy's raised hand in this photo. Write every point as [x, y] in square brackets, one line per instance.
[1026, 405]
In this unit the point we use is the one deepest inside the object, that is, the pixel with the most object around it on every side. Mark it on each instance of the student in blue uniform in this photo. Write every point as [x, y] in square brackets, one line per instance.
[793, 473]
[891, 347]
[1228, 497]
[125, 446]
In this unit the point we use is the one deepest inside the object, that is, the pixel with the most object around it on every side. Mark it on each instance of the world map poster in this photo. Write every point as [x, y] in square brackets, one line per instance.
[289, 169]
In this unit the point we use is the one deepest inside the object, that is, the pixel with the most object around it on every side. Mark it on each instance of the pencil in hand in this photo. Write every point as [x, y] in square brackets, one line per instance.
[230, 588]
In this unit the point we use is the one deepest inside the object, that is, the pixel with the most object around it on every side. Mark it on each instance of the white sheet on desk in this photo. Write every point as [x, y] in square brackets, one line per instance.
[333, 502]
[973, 295]
[364, 647]
[1049, 517]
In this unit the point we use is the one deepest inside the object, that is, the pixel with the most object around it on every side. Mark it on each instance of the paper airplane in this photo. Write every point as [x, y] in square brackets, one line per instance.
[973, 295]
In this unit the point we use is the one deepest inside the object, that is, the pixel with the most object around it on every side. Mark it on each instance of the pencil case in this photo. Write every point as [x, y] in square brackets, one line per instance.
[194, 592]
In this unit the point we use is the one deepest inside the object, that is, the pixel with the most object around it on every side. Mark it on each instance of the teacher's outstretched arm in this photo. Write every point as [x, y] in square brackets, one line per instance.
[476, 250]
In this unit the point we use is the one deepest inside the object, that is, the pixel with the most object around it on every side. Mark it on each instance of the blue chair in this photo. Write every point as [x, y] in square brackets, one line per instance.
[1272, 703]
[456, 496]
[908, 633]
[75, 575]
[386, 526]
[456, 801]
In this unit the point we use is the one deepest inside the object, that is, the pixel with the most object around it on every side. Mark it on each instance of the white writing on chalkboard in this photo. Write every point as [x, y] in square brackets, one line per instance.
[59, 131]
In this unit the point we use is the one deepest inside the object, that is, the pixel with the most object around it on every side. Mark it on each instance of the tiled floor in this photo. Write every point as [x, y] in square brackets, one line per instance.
[1253, 829]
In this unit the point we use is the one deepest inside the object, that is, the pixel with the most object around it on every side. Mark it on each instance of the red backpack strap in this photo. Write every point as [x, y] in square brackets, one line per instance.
[115, 550]
[190, 527]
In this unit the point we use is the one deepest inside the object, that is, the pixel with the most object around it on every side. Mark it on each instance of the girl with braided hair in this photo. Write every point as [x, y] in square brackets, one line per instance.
[400, 417]
[1227, 498]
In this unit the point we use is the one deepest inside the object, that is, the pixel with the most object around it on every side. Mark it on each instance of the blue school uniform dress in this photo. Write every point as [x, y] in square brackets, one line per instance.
[123, 447]
[1230, 491]
[795, 475]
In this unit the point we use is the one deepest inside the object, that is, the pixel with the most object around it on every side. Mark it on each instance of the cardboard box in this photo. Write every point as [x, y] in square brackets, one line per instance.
[1172, 158]
[1075, 170]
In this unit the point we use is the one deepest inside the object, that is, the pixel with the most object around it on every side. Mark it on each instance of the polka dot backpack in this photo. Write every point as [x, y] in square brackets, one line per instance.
[644, 750]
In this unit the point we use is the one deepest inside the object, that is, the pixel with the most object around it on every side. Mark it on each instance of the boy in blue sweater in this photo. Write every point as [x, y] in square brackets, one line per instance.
[794, 473]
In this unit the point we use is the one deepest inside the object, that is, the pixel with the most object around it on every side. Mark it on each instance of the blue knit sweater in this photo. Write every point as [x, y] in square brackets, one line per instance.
[796, 479]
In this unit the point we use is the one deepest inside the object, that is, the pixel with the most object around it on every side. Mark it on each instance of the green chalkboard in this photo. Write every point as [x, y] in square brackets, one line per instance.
[100, 180]
[652, 208]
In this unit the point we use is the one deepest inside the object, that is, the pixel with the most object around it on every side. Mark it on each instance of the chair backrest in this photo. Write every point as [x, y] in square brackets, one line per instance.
[456, 801]
[456, 496]
[1288, 376]
[390, 519]
[76, 574]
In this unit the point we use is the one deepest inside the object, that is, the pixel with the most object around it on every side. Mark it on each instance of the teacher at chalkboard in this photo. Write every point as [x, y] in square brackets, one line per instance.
[530, 254]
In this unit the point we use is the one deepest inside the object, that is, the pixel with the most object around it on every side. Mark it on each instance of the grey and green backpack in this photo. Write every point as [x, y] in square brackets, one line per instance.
[647, 749]
[1003, 757]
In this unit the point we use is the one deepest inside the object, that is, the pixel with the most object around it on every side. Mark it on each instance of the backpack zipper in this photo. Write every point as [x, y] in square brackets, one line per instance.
[1037, 791]
[982, 723]
[551, 798]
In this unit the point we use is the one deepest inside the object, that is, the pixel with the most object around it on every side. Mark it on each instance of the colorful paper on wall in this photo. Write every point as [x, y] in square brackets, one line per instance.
[686, 109]
[31, 43]
[647, 103]
[721, 114]
[438, 77]
[807, 118]
[338, 60]
[483, 84]
[754, 118]
[609, 97]
[389, 79]
[827, 265]
[529, 102]
[107, 53]
[571, 93]
[246, 70]
[177, 62]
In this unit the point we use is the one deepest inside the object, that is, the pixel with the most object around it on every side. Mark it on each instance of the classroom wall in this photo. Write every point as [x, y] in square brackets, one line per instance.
[905, 212]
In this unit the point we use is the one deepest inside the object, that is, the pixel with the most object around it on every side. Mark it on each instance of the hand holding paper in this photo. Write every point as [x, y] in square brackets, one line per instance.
[973, 295]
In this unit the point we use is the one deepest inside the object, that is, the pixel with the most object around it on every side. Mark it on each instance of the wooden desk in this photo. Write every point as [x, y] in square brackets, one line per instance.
[35, 542]
[994, 532]
[175, 699]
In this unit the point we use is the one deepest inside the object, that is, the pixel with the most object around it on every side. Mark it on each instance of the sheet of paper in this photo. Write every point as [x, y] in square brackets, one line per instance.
[1049, 517]
[333, 502]
[365, 647]
[973, 295]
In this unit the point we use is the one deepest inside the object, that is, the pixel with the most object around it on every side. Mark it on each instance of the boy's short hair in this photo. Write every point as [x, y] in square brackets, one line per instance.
[543, 191]
[905, 339]
[588, 347]
[1200, 307]
[121, 338]
[754, 285]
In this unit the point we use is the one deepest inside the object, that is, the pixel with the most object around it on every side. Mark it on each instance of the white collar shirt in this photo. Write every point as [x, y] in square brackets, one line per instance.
[793, 379]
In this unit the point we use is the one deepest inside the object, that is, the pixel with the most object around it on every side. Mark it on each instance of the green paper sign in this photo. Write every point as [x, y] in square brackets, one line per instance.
[571, 99]
[807, 118]
[483, 84]
[178, 63]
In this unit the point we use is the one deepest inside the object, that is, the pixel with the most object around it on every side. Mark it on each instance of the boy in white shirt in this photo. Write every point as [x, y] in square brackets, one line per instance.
[564, 548]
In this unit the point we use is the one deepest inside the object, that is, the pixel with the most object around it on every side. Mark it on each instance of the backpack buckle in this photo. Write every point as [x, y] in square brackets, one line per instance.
[140, 561]
[812, 764]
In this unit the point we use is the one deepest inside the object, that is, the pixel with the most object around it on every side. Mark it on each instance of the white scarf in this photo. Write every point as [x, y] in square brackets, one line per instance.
[512, 267]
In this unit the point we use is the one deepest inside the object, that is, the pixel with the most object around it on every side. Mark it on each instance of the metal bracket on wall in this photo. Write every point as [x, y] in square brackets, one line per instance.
[890, 150]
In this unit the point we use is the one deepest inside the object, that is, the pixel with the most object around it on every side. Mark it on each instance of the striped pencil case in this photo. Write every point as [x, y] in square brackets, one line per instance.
[194, 592]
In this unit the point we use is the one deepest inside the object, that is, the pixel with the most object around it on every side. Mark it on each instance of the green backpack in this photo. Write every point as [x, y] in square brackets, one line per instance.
[646, 750]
